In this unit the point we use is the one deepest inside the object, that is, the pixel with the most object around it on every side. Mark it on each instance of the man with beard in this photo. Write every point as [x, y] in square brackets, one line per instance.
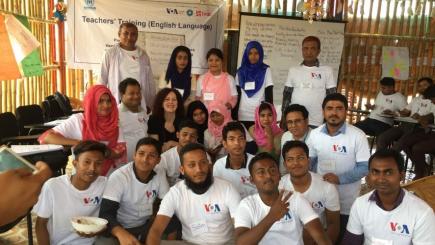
[272, 216]
[339, 152]
[389, 214]
[203, 204]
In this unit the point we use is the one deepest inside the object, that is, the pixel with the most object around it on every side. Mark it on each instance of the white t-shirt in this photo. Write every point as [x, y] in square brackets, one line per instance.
[310, 84]
[134, 197]
[134, 126]
[287, 136]
[60, 201]
[412, 222]
[129, 64]
[339, 154]
[73, 126]
[420, 106]
[239, 178]
[393, 102]
[288, 230]
[248, 104]
[206, 218]
[321, 195]
[170, 163]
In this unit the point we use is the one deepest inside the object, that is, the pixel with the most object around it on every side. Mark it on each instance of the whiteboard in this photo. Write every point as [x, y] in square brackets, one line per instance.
[282, 43]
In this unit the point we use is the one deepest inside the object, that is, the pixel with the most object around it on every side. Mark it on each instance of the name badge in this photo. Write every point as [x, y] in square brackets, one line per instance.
[249, 85]
[208, 96]
[198, 228]
[181, 91]
[327, 166]
[377, 241]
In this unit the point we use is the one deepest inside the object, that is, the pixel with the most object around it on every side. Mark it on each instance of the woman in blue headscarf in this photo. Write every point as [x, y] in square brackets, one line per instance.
[178, 73]
[254, 83]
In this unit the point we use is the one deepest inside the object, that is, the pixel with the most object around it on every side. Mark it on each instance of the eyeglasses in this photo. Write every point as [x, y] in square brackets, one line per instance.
[295, 122]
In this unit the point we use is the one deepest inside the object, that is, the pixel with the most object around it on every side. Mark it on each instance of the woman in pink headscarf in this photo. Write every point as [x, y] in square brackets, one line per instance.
[265, 131]
[218, 117]
[216, 85]
[99, 122]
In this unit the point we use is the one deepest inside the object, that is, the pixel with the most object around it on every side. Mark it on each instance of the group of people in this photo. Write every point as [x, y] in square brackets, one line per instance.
[215, 167]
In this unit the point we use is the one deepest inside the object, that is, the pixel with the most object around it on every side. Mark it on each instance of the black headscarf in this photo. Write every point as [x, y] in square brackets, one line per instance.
[201, 128]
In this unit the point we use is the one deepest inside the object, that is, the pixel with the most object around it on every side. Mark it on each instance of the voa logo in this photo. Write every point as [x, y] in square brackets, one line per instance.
[175, 11]
[151, 194]
[397, 228]
[339, 148]
[212, 208]
[92, 200]
[317, 205]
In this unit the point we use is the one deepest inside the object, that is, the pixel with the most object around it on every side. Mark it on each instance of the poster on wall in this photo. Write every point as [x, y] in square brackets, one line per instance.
[395, 62]
[92, 28]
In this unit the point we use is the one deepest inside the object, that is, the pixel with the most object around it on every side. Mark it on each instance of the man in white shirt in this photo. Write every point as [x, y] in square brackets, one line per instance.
[296, 121]
[132, 193]
[389, 214]
[272, 217]
[126, 60]
[419, 107]
[133, 119]
[204, 204]
[339, 152]
[234, 166]
[323, 196]
[65, 197]
[387, 105]
[309, 83]
[170, 160]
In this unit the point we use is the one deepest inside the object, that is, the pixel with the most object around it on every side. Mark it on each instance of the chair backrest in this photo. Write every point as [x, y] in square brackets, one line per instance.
[51, 109]
[64, 103]
[8, 125]
[27, 115]
[424, 188]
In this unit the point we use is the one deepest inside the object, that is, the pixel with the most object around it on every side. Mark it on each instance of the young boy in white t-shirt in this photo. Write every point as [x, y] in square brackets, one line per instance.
[388, 103]
[170, 160]
[131, 196]
[234, 166]
[204, 204]
[272, 217]
[65, 197]
[322, 196]
[389, 214]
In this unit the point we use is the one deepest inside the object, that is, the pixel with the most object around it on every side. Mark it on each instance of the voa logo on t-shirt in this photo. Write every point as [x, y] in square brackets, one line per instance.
[339, 149]
[316, 75]
[151, 194]
[286, 219]
[245, 179]
[91, 201]
[212, 208]
[401, 229]
[317, 205]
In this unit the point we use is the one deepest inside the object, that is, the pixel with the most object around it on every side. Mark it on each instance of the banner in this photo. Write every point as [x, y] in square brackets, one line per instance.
[8, 63]
[92, 28]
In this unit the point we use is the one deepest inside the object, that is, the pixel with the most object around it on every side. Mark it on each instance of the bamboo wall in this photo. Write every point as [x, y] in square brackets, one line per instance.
[365, 35]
